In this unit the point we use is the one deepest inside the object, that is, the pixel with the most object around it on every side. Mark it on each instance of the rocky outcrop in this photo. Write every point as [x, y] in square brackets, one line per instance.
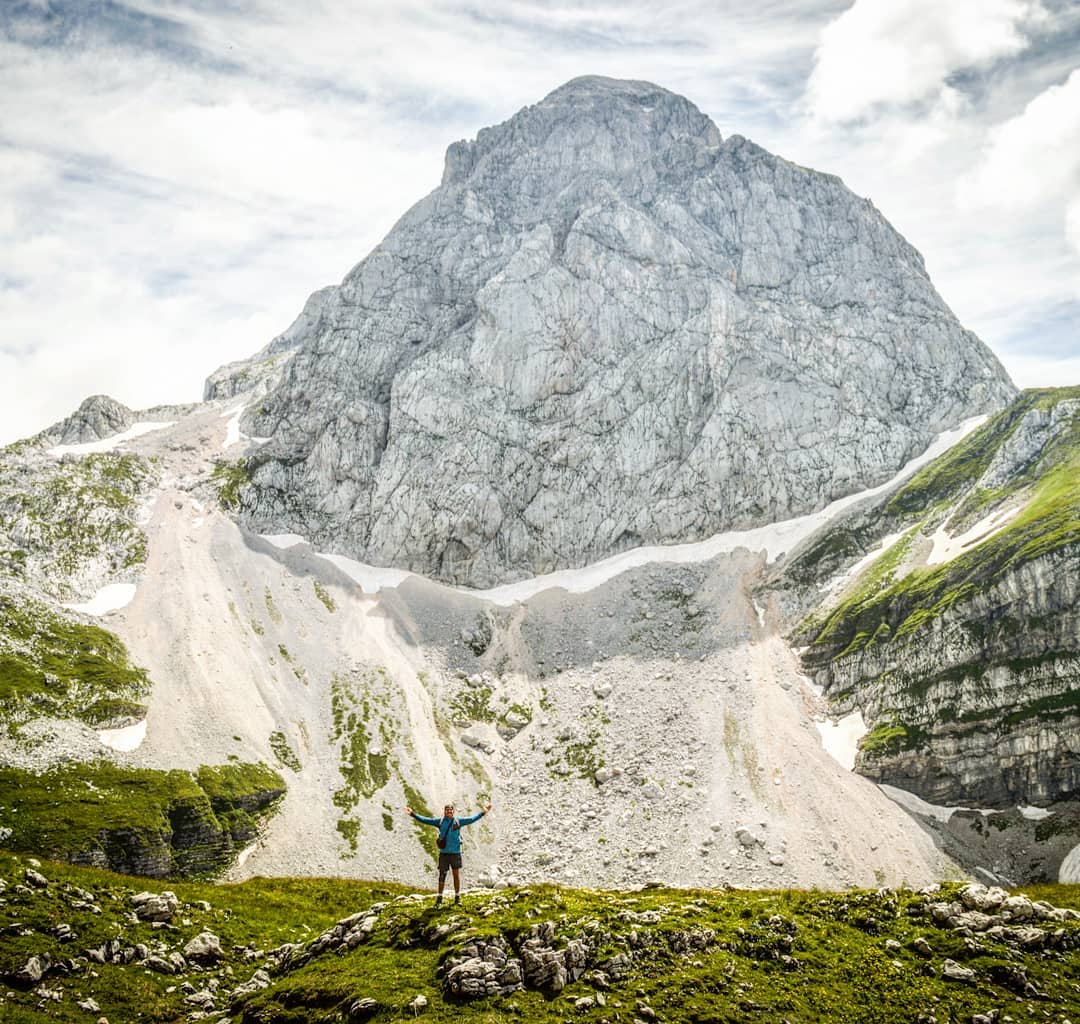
[156, 824]
[980, 706]
[607, 327]
[97, 418]
[966, 668]
[195, 841]
[262, 372]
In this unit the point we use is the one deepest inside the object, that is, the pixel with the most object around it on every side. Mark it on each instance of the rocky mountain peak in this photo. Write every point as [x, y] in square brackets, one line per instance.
[607, 328]
[591, 126]
[97, 418]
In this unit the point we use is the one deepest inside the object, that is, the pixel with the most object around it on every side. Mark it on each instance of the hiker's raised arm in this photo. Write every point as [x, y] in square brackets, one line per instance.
[474, 817]
[420, 818]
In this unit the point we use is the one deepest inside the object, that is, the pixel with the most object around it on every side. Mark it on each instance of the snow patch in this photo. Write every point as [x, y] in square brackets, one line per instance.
[283, 540]
[126, 739]
[246, 852]
[917, 805]
[946, 548]
[1069, 872]
[232, 429]
[841, 581]
[109, 443]
[108, 599]
[841, 739]
[1034, 813]
[372, 578]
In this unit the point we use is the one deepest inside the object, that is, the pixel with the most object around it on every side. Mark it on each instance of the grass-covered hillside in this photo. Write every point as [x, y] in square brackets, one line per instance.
[1001, 462]
[154, 823]
[53, 665]
[79, 944]
[62, 521]
[960, 640]
[67, 526]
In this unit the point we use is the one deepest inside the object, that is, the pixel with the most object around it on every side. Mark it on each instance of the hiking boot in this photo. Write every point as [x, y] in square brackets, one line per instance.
[457, 901]
[438, 901]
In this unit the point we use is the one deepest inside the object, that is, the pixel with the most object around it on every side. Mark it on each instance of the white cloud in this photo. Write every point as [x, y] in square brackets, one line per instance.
[1072, 223]
[1035, 371]
[887, 52]
[1033, 158]
[161, 213]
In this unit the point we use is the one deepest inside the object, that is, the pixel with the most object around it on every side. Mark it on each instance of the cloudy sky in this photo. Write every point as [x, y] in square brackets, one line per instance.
[177, 175]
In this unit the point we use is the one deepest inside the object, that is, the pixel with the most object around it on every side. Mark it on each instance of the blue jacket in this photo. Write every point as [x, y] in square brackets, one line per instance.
[451, 828]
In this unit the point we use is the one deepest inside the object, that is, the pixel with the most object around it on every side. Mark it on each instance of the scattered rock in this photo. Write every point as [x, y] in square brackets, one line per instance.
[363, 1009]
[955, 972]
[922, 948]
[745, 836]
[204, 948]
[256, 983]
[157, 963]
[32, 971]
[151, 906]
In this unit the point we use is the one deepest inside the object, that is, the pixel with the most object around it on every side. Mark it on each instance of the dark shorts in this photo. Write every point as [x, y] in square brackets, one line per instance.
[448, 861]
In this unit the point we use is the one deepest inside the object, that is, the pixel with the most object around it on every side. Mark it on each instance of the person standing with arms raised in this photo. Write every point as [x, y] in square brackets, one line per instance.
[449, 844]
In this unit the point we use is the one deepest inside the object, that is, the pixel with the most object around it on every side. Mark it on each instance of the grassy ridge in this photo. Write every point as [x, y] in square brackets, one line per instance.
[1050, 522]
[58, 667]
[843, 964]
[151, 822]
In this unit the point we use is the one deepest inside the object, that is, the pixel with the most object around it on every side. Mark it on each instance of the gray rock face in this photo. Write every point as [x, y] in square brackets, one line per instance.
[607, 327]
[262, 372]
[97, 418]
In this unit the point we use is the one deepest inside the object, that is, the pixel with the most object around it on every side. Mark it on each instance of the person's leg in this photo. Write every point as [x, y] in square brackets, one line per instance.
[442, 878]
[457, 885]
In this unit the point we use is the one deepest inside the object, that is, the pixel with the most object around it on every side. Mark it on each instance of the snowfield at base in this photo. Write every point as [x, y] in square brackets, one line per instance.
[109, 443]
[1069, 872]
[108, 599]
[126, 739]
[371, 578]
[775, 540]
[841, 739]
[1034, 813]
[946, 548]
[247, 851]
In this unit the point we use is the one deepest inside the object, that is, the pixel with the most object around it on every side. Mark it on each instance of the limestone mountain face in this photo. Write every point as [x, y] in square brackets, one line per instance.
[607, 327]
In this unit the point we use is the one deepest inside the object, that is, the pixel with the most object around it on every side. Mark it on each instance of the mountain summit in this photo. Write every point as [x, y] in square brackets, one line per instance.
[607, 327]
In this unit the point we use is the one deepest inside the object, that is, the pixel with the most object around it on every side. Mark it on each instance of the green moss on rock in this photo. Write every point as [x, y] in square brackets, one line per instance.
[62, 668]
[143, 821]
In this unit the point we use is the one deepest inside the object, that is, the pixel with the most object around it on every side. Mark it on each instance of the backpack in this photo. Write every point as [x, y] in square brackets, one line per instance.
[441, 841]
